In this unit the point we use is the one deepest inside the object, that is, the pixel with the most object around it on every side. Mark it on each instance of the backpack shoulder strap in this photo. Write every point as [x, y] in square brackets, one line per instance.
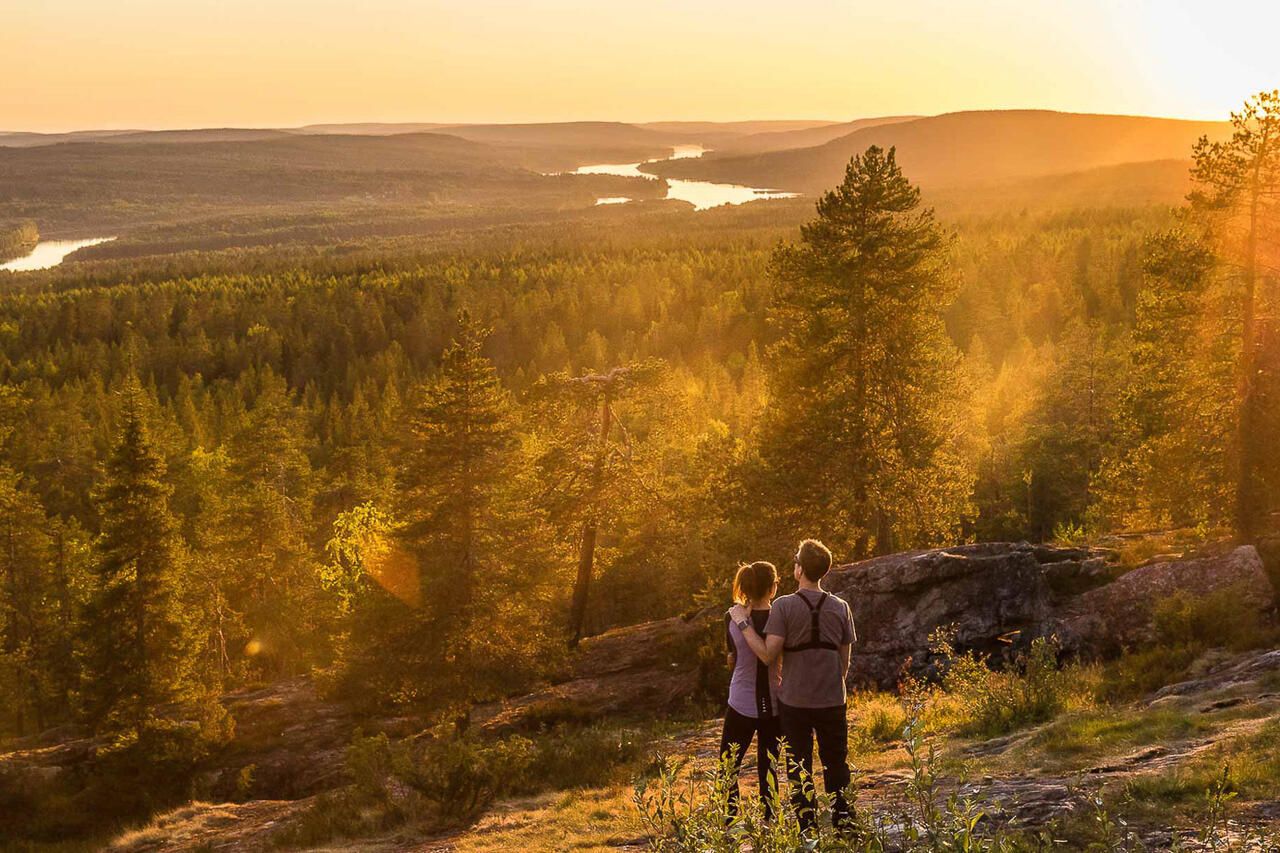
[815, 626]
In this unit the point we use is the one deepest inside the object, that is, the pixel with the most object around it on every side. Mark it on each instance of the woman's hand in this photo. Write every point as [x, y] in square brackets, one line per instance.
[738, 614]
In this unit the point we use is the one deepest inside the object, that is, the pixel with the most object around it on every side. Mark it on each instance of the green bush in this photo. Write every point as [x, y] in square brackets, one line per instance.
[1203, 622]
[460, 776]
[1185, 627]
[570, 757]
[435, 782]
[993, 702]
[1137, 674]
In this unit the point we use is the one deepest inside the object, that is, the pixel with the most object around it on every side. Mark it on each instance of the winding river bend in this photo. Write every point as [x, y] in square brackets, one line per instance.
[50, 253]
[701, 194]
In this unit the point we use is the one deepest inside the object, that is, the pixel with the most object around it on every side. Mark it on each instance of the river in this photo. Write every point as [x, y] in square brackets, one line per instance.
[701, 194]
[50, 253]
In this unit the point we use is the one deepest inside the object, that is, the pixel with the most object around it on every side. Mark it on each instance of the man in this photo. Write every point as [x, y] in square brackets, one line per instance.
[813, 632]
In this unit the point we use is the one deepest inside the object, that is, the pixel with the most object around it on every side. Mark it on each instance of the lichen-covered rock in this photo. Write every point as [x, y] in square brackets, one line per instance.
[649, 669]
[1105, 620]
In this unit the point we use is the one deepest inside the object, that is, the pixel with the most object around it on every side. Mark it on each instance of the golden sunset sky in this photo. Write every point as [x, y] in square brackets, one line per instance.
[77, 64]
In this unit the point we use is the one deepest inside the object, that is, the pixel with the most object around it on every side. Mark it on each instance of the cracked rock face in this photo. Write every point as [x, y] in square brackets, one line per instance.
[995, 597]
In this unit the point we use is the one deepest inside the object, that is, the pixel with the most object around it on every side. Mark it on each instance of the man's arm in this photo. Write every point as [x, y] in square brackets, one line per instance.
[846, 654]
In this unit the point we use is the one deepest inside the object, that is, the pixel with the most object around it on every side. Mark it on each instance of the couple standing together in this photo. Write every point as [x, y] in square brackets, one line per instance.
[790, 658]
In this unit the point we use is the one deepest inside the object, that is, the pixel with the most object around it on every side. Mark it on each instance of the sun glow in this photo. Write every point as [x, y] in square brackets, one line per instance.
[285, 62]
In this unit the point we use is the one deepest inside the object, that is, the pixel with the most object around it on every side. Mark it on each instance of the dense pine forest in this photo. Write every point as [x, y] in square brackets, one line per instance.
[421, 468]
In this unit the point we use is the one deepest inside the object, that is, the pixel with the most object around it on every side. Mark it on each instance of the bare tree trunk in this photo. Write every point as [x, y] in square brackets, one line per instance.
[587, 548]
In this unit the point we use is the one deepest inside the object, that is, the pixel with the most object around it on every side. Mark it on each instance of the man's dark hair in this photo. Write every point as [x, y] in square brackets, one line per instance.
[814, 559]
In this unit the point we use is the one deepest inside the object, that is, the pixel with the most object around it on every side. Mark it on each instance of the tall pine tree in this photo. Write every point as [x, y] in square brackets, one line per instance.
[1237, 196]
[475, 621]
[859, 443]
[139, 639]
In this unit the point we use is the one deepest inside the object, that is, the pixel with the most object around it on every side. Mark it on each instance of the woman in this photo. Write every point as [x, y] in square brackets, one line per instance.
[753, 690]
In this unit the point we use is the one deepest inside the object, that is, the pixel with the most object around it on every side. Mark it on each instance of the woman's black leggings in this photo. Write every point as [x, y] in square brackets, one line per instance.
[736, 738]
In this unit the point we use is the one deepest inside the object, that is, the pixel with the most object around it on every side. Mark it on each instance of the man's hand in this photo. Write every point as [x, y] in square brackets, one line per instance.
[739, 614]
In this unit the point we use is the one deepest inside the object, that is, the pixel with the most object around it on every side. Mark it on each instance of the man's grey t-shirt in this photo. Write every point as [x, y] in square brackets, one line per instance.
[812, 678]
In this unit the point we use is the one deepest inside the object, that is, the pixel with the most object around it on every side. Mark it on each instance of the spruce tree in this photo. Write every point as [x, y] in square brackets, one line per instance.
[858, 445]
[139, 639]
[474, 621]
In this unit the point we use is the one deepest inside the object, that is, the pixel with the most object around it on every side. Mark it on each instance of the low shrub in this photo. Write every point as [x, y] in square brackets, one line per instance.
[571, 757]
[1203, 622]
[1137, 674]
[878, 719]
[460, 776]
[986, 702]
[1185, 627]
[436, 782]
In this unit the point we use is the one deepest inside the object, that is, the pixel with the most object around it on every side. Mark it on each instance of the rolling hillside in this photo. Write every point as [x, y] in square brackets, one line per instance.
[965, 148]
[784, 140]
[78, 187]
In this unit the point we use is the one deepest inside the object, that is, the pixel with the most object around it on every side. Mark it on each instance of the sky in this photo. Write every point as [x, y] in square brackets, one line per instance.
[82, 64]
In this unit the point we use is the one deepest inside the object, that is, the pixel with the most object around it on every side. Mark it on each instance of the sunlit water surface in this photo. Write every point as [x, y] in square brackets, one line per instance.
[49, 253]
[701, 194]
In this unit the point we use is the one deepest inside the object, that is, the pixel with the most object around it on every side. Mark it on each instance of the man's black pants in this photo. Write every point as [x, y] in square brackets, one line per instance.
[799, 727]
[736, 737]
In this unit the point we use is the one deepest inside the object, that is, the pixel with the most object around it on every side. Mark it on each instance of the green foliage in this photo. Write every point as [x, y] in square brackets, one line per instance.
[139, 628]
[17, 240]
[42, 590]
[1170, 462]
[468, 560]
[990, 702]
[1204, 621]
[1185, 627]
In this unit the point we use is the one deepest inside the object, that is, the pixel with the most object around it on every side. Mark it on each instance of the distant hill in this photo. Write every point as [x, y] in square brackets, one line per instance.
[28, 139]
[1125, 185]
[368, 128]
[807, 137]
[75, 184]
[964, 148]
[210, 134]
[558, 146]
[696, 128]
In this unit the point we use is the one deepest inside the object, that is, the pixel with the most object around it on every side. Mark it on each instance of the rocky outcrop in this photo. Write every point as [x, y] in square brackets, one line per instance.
[992, 597]
[648, 669]
[995, 598]
[1105, 620]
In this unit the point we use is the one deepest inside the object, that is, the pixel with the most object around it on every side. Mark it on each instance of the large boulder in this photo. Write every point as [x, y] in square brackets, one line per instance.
[1105, 620]
[992, 598]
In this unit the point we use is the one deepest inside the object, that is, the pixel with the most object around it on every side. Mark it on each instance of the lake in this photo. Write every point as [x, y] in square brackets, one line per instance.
[701, 194]
[49, 253]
